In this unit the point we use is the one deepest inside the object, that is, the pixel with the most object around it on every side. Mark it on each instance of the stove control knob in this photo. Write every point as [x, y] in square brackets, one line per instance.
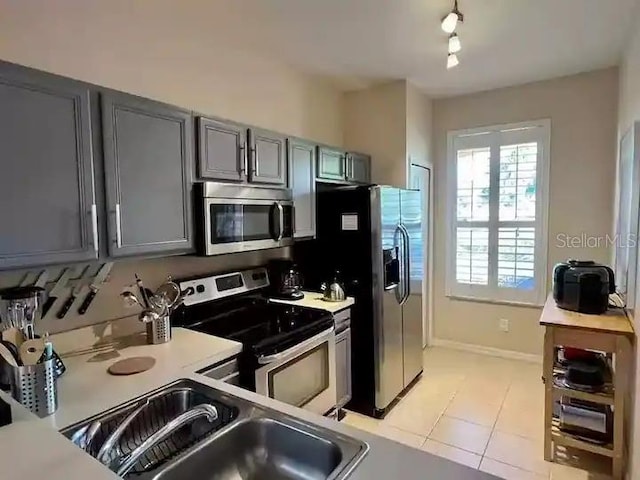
[200, 288]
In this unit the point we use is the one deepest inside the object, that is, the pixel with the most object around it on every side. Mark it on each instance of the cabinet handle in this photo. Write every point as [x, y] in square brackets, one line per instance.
[254, 161]
[94, 226]
[243, 159]
[118, 227]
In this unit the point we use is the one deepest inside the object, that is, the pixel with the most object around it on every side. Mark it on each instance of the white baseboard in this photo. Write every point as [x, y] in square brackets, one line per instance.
[495, 352]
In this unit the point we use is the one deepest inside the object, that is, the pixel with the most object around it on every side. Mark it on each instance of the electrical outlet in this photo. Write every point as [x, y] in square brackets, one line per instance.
[504, 324]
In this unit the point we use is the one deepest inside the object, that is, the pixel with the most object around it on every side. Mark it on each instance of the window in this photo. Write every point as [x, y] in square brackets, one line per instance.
[497, 213]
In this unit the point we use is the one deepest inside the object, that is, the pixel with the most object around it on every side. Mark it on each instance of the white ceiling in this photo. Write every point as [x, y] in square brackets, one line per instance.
[359, 42]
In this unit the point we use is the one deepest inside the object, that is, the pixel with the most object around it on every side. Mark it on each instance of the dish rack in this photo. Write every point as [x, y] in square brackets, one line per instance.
[159, 412]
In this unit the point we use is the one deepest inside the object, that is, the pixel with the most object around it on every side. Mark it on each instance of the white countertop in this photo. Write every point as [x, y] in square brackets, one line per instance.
[314, 300]
[32, 449]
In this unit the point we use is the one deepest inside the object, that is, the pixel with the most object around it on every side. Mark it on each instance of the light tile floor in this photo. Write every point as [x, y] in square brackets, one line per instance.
[481, 411]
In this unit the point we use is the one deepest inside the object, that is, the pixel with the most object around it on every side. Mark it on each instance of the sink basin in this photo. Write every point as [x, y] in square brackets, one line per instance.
[164, 405]
[247, 442]
[256, 450]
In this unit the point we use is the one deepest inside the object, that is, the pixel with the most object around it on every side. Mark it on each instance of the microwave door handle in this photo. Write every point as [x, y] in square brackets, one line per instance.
[280, 221]
[272, 222]
[300, 348]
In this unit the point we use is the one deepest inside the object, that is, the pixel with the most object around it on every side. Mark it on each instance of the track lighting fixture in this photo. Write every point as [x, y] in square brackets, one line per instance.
[454, 43]
[450, 22]
[452, 60]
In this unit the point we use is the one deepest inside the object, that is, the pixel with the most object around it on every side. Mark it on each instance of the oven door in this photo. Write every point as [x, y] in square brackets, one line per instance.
[303, 376]
[237, 225]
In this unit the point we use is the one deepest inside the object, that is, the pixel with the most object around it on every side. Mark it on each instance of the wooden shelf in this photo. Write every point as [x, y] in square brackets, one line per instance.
[569, 440]
[600, 398]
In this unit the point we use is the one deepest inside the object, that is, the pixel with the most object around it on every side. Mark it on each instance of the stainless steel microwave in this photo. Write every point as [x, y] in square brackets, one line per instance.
[240, 218]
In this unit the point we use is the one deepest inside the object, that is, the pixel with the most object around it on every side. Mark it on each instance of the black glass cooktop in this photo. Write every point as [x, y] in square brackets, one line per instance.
[260, 326]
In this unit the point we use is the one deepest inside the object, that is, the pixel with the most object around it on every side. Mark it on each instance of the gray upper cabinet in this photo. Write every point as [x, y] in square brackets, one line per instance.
[47, 198]
[358, 168]
[222, 152]
[331, 164]
[267, 157]
[148, 153]
[302, 181]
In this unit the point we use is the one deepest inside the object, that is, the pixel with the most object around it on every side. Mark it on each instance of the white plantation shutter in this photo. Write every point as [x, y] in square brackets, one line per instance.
[497, 213]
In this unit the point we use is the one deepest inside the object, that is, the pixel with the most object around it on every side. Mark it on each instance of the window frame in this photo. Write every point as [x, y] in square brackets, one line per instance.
[521, 132]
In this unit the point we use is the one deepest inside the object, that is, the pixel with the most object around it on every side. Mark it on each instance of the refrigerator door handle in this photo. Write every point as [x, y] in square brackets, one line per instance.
[399, 287]
[407, 265]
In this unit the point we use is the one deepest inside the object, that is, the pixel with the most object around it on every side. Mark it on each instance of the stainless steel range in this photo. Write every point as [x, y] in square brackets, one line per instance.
[288, 351]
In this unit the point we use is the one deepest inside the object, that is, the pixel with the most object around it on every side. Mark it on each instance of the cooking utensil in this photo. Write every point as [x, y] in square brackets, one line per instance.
[13, 349]
[131, 366]
[13, 336]
[19, 308]
[130, 299]
[74, 293]
[167, 296]
[31, 351]
[57, 289]
[148, 316]
[143, 291]
[95, 287]
[6, 354]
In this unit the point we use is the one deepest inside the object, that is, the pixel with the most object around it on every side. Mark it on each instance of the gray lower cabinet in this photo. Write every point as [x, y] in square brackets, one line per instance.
[47, 198]
[267, 157]
[148, 153]
[358, 168]
[222, 150]
[343, 367]
[302, 181]
[331, 164]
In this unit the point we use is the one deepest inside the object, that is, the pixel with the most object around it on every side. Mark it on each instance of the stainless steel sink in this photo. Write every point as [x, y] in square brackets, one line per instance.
[248, 442]
[259, 449]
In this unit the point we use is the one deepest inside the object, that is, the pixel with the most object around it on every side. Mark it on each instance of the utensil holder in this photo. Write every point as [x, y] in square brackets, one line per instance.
[35, 387]
[159, 331]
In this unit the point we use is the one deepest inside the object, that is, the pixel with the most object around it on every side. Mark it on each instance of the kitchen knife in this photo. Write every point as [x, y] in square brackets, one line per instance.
[74, 293]
[42, 279]
[57, 290]
[95, 286]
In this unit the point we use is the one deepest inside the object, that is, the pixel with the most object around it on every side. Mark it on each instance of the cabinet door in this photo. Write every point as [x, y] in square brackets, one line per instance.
[47, 199]
[148, 150]
[267, 158]
[331, 164]
[302, 174]
[222, 153]
[343, 367]
[358, 168]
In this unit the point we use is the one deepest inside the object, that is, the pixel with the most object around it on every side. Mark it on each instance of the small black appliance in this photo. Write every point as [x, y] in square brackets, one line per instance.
[286, 281]
[583, 286]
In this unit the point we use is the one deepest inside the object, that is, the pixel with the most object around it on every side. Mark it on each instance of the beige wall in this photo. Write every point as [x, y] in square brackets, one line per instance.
[419, 126]
[629, 112]
[162, 54]
[392, 122]
[583, 112]
[375, 122]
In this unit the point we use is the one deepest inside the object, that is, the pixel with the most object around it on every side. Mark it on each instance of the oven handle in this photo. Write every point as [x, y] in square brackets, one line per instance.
[301, 347]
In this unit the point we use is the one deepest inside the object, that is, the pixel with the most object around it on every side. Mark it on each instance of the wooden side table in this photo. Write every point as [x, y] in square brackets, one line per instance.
[611, 333]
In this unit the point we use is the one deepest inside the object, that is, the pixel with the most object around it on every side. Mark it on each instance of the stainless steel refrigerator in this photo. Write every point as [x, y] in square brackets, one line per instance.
[368, 233]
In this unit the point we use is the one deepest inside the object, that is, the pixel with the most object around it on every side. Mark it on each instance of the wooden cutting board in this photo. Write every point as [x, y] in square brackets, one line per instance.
[131, 366]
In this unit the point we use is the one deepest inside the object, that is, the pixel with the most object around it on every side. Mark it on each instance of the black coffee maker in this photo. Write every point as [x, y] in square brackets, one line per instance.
[583, 286]
[286, 281]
